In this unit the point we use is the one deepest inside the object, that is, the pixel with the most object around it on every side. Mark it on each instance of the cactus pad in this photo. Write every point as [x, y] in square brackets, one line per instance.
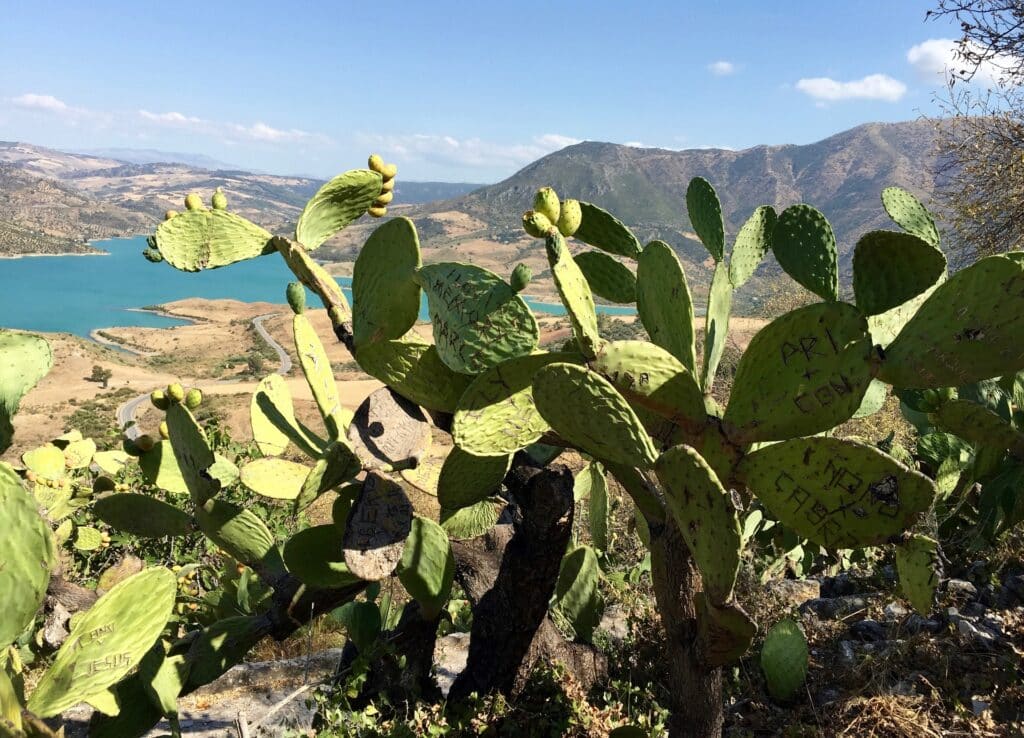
[387, 429]
[978, 424]
[706, 517]
[969, 329]
[575, 293]
[241, 533]
[208, 239]
[725, 631]
[805, 246]
[576, 591]
[705, 212]
[784, 659]
[838, 494]
[910, 215]
[412, 368]
[160, 468]
[598, 509]
[716, 325]
[427, 567]
[496, 413]
[377, 527]
[46, 461]
[28, 553]
[919, 568]
[314, 555]
[650, 376]
[664, 304]
[467, 479]
[587, 411]
[385, 296]
[107, 642]
[601, 229]
[24, 360]
[141, 515]
[479, 320]
[608, 277]
[338, 465]
[469, 522]
[192, 453]
[752, 242]
[886, 326]
[803, 373]
[220, 646]
[272, 418]
[276, 478]
[335, 205]
[319, 374]
[891, 268]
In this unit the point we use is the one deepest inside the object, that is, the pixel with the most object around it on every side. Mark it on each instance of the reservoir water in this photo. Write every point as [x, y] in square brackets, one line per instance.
[78, 294]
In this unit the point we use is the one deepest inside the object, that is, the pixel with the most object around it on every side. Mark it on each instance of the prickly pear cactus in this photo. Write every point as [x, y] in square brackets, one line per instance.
[208, 239]
[752, 243]
[607, 277]
[107, 642]
[664, 304]
[141, 515]
[706, 216]
[479, 320]
[24, 360]
[28, 553]
[804, 373]
[838, 494]
[336, 204]
[576, 401]
[576, 592]
[784, 659]
[909, 214]
[603, 230]
[919, 568]
[575, 293]
[706, 517]
[467, 479]
[805, 246]
[427, 567]
[385, 295]
[890, 268]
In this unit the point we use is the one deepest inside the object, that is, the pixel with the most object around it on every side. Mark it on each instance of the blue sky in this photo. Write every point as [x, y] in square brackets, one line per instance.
[457, 91]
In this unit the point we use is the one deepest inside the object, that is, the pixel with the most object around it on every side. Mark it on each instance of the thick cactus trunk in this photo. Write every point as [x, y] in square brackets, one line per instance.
[510, 579]
[695, 690]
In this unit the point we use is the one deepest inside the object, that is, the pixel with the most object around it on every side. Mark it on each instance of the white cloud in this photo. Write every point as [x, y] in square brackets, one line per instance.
[636, 144]
[872, 87]
[938, 57]
[469, 153]
[48, 103]
[258, 131]
[722, 68]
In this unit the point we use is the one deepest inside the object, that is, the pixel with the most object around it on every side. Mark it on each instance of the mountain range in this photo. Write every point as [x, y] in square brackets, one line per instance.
[842, 176]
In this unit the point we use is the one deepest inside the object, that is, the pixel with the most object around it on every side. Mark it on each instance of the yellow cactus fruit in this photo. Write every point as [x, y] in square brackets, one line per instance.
[193, 399]
[165, 432]
[170, 214]
[176, 392]
[219, 201]
[388, 172]
[376, 163]
[536, 224]
[384, 199]
[546, 203]
[570, 218]
[377, 212]
[388, 186]
[193, 202]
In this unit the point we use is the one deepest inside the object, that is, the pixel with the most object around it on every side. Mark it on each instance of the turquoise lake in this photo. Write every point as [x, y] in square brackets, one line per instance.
[78, 294]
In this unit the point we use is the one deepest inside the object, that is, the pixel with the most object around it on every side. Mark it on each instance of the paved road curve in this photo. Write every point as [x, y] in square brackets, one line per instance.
[126, 412]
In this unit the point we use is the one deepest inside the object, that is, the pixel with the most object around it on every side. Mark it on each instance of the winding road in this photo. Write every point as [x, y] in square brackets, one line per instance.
[126, 411]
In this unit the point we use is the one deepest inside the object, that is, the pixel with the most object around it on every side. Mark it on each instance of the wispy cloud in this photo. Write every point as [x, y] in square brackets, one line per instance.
[722, 68]
[257, 131]
[467, 153]
[47, 103]
[938, 57]
[872, 87]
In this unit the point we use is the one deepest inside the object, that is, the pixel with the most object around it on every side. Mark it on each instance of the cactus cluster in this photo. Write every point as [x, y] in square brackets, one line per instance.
[641, 412]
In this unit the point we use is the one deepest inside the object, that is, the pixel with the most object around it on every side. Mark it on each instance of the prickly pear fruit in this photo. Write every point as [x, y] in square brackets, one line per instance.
[193, 202]
[546, 203]
[376, 212]
[194, 398]
[536, 224]
[164, 432]
[145, 442]
[570, 218]
[376, 163]
[521, 277]
[170, 214]
[388, 185]
[384, 198]
[159, 399]
[176, 392]
[388, 172]
[296, 295]
[219, 201]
